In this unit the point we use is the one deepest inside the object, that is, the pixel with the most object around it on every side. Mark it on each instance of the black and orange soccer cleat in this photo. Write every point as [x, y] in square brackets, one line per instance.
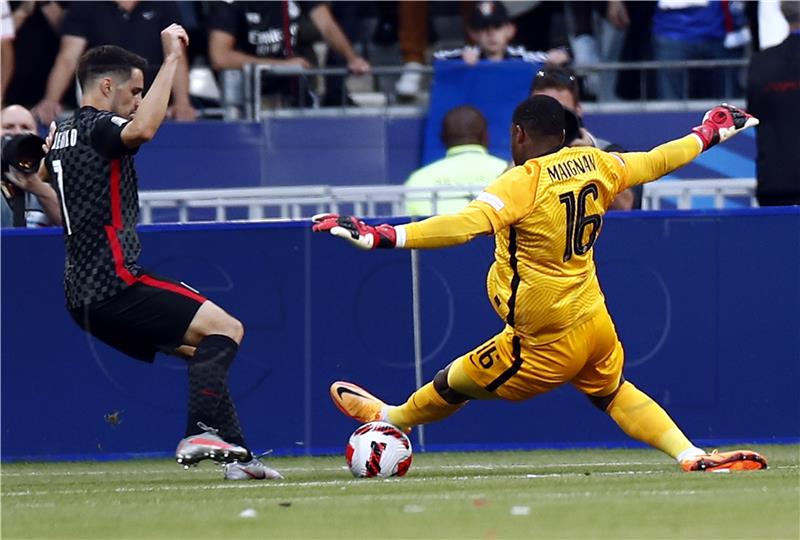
[356, 402]
[736, 460]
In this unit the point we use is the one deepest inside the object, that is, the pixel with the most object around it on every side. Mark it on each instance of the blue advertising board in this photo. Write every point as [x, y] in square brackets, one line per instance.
[707, 305]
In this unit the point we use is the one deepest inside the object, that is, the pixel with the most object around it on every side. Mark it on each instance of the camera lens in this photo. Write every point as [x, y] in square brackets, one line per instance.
[23, 152]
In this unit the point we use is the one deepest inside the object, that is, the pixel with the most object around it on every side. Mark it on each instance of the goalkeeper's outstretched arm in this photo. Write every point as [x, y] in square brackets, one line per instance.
[642, 167]
[719, 124]
[434, 232]
[445, 230]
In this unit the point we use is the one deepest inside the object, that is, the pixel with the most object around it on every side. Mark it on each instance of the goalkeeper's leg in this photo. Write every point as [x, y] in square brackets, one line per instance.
[641, 418]
[634, 411]
[638, 415]
[450, 390]
[436, 400]
[503, 367]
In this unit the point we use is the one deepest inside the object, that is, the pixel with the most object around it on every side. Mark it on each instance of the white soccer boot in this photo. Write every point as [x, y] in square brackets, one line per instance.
[250, 470]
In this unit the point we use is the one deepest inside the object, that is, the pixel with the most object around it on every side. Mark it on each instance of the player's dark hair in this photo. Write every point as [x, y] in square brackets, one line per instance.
[108, 60]
[540, 115]
[463, 125]
[559, 78]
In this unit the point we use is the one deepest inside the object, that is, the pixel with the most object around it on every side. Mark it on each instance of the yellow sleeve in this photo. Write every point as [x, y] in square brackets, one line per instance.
[640, 167]
[445, 230]
[511, 197]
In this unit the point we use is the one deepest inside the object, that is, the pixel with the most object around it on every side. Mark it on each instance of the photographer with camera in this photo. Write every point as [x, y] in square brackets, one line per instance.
[25, 182]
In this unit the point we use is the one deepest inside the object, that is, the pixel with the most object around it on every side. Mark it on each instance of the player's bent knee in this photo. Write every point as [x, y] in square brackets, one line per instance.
[234, 329]
[604, 402]
[213, 320]
[443, 389]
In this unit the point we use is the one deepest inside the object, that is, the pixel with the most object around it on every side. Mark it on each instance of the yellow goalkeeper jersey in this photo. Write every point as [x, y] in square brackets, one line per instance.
[546, 216]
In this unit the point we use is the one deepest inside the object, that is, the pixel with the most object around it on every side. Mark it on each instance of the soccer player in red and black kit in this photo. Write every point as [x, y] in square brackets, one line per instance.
[108, 294]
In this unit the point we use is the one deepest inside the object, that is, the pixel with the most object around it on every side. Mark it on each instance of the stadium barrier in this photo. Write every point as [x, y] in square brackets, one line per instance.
[220, 205]
[707, 305]
[723, 193]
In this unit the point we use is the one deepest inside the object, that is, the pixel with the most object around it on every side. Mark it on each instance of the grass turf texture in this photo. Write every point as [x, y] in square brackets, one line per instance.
[538, 494]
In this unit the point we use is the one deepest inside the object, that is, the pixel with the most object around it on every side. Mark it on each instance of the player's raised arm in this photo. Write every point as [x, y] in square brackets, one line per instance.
[153, 109]
[719, 124]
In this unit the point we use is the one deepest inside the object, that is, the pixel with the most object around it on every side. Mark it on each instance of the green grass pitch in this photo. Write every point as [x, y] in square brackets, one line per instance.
[537, 494]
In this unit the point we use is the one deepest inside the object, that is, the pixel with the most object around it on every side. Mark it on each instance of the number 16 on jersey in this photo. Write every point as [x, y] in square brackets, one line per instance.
[578, 221]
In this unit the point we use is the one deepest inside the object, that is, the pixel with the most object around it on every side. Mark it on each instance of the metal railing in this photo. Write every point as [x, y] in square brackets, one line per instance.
[293, 202]
[244, 88]
[302, 202]
[683, 194]
[684, 67]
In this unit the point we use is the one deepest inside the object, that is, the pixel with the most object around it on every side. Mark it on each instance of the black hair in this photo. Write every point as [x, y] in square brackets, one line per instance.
[560, 78]
[540, 115]
[463, 125]
[108, 60]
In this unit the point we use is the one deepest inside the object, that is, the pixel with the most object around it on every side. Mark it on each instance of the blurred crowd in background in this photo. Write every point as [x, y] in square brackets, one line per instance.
[43, 40]
[381, 53]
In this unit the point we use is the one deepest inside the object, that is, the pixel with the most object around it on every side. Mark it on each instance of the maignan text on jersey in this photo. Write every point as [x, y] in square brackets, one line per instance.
[570, 168]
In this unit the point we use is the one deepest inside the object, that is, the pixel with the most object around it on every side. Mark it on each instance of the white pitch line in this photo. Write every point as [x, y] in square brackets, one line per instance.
[542, 465]
[499, 467]
[475, 466]
[354, 483]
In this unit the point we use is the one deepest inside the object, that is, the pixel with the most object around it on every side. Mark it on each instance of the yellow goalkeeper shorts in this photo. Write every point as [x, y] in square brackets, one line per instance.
[510, 367]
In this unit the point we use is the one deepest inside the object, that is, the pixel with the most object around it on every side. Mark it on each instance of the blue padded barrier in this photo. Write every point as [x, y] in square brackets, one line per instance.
[282, 152]
[707, 305]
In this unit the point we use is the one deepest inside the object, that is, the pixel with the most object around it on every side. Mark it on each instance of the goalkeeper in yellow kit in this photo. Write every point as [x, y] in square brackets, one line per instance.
[545, 214]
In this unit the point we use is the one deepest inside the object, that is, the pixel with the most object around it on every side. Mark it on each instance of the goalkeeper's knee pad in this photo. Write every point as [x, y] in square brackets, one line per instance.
[451, 396]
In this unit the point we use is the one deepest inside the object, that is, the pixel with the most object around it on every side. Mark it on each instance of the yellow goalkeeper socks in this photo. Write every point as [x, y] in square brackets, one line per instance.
[423, 407]
[643, 419]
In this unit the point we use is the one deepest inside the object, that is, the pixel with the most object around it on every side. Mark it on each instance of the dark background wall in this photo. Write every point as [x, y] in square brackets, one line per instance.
[377, 150]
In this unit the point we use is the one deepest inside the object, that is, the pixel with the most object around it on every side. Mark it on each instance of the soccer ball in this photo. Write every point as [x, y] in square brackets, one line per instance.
[378, 449]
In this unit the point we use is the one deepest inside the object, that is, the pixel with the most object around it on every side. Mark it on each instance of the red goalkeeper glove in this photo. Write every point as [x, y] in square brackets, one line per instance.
[355, 231]
[721, 123]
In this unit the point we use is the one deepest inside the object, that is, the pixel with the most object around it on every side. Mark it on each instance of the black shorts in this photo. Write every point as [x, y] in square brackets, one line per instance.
[150, 316]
